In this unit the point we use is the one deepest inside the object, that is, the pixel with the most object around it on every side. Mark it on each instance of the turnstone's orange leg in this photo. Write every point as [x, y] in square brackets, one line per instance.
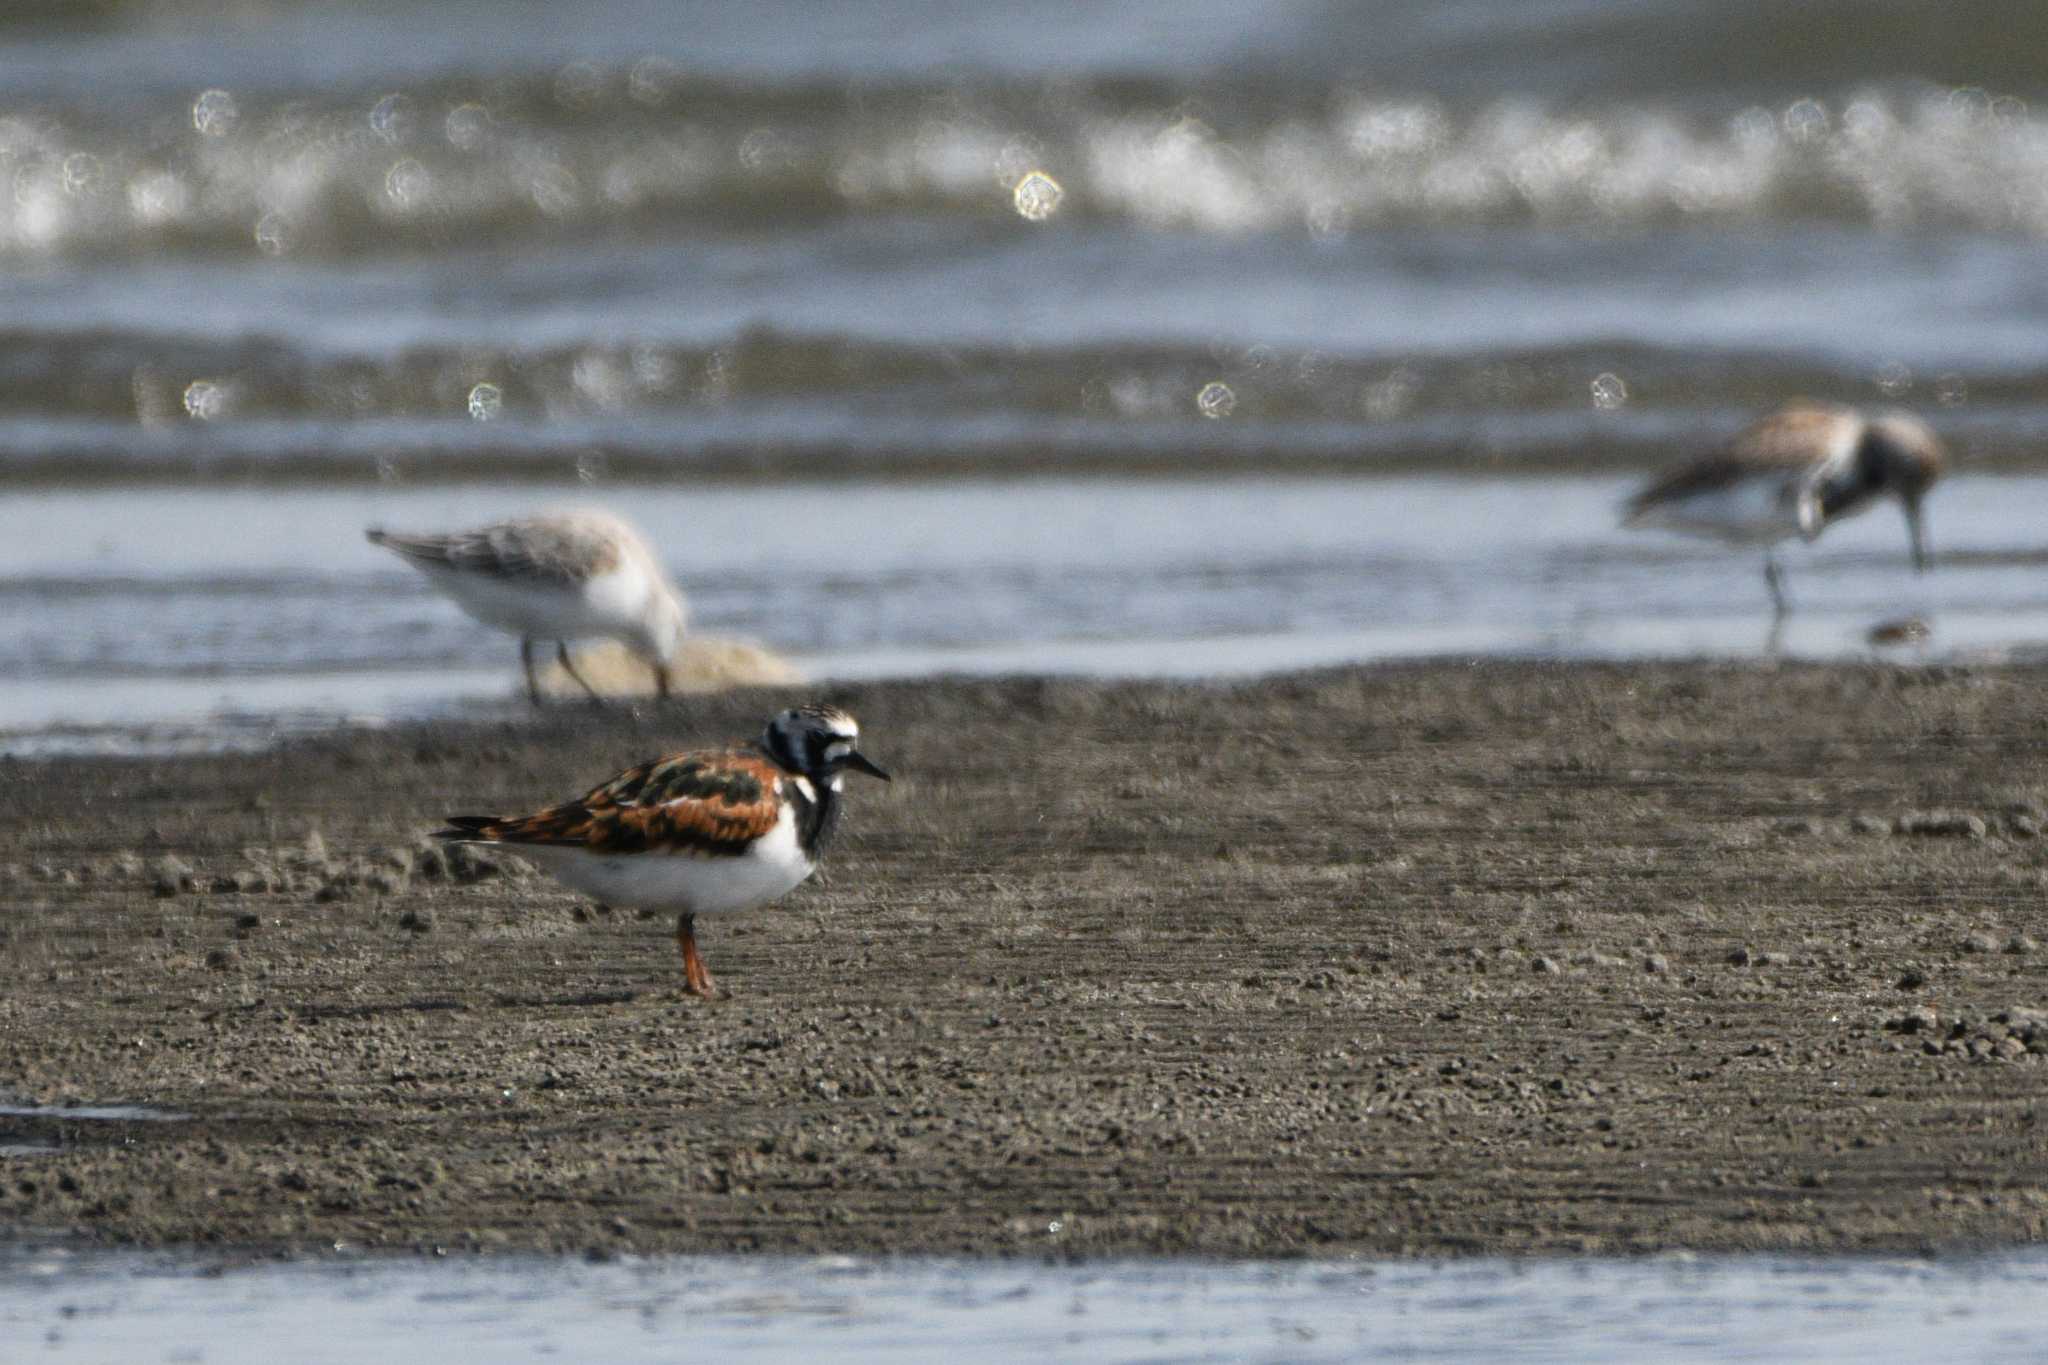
[562, 653]
[695, 974]
[526, 658]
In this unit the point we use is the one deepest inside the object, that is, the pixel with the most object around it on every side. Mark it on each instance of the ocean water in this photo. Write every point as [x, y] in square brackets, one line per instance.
[289, 260]
[1183, 339]
[284, 267]
[418, 240]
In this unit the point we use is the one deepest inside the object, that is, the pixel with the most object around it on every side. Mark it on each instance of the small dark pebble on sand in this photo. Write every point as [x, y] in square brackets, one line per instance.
[1918, 1019]
[1941, 824]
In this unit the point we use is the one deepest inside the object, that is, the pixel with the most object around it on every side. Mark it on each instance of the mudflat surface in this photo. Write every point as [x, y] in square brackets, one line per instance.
[1399, 960]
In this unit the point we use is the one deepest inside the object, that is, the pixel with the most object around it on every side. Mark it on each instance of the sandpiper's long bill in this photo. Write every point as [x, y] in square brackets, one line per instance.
[562, 576]
[697, 833]
[1794, 473]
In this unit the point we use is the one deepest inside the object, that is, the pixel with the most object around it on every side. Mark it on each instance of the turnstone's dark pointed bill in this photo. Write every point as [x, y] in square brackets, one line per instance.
[563, 576]
[1793, 473]
[696, 833]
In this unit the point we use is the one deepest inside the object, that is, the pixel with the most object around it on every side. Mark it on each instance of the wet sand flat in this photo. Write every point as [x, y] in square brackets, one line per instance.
[1416, 959]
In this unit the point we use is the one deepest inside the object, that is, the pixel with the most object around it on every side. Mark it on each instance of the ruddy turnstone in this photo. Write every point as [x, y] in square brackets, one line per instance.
[698, 833]
[561, 576]
[1792, 473]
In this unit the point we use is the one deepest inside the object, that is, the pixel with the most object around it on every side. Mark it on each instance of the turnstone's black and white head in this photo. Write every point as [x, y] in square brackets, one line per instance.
[817, 742]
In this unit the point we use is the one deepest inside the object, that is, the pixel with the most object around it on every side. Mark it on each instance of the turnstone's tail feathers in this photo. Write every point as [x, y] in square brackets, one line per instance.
[469, 829]
[701, 804]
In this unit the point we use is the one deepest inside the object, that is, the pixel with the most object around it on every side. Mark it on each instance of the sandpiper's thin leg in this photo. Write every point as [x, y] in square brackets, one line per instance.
[696, 976]
[526, 658]
[1781, 606]
[562, 653]
[663, 682]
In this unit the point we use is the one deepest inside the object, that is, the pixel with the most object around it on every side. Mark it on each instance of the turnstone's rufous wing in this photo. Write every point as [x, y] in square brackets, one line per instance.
[703, 805]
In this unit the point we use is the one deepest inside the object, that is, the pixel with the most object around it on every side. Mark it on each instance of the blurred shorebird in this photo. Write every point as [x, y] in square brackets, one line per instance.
[1793, 473]
[698, 833]
[561, 576]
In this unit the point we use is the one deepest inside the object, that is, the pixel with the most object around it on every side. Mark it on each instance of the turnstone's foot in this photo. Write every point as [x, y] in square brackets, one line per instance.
[696, 976]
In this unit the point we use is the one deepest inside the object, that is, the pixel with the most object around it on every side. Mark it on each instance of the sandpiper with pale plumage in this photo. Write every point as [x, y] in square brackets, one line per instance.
[1793, 473]
[560, 576]
[698, 833]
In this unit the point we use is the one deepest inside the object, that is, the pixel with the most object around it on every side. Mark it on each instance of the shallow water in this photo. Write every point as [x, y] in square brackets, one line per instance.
[107, 1306]
[883, 317]
[461, 240]
[217, 615]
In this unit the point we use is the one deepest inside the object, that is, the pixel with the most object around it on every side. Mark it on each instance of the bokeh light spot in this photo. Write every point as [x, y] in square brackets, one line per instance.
[486, 401]
[1037, 196]
[1609, 392]
[407, 183]
[1216, 400]
[205, 400]
[82, 173]
[466, 126]
[273, 234]
[652, 80]
[215, 113]
[1806, 120]
[392, 118]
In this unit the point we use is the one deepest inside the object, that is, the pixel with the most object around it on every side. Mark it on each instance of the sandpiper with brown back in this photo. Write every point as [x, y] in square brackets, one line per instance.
[1794, 473]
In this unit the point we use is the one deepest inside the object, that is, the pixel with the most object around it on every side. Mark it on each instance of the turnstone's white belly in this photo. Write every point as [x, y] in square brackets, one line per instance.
[680, 881]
